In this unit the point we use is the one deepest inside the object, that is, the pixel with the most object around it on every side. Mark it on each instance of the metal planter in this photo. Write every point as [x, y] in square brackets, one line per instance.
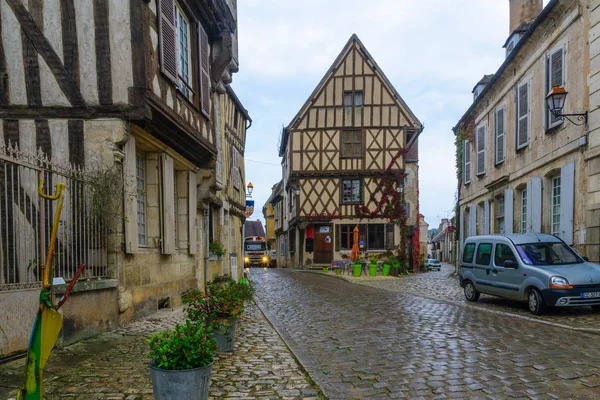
[188, 384]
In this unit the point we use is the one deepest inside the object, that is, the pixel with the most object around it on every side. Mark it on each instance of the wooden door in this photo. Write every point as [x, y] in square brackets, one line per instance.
[323, 244]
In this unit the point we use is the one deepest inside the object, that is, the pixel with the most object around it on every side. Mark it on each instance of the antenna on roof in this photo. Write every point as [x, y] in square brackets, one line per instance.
[536, 235]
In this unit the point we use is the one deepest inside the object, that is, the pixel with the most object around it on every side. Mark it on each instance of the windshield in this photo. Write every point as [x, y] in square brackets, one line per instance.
[547, 254]
[256, 246]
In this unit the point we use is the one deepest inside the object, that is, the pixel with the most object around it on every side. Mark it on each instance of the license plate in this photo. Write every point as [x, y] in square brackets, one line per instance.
[591, 295]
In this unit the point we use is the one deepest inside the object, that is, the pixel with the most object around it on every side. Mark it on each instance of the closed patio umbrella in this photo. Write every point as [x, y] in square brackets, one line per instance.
[355, 252]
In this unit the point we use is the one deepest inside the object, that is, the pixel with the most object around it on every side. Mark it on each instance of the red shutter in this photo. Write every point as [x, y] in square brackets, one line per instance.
[204, 51]
[167, 38]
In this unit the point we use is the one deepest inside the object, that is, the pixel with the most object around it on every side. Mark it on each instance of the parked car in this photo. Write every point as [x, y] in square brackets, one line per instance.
[272, 258]
[432, 263]
[538, 268]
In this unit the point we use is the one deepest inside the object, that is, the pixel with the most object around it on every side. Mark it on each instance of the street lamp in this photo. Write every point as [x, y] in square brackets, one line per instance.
[555, 101]
[250, 188]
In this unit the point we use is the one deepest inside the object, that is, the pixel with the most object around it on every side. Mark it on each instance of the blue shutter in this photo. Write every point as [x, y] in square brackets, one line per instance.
[529, 205]
[473, 220]
[536, 204]
[567, 193]
[486, 217]
[508, 211]
[462, 228]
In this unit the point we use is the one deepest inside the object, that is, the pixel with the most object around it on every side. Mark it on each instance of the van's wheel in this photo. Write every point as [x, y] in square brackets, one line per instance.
[536, 302]
[471, 293]
[596, 308]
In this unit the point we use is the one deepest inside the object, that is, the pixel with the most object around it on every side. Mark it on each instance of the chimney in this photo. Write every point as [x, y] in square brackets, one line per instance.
[523, 11]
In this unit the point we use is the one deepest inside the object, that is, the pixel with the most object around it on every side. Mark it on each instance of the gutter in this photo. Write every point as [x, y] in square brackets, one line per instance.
[509, 59]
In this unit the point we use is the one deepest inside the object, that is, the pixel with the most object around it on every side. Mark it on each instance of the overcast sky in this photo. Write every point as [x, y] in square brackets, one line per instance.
[433, 52]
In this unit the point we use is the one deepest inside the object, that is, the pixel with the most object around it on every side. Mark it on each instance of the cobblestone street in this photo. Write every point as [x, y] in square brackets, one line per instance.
[361, 342]
[113, 366]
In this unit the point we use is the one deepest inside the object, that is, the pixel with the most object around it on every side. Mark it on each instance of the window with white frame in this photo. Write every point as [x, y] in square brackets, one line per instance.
[184, 57]
[523, 115]
[351, 191]
[500, 135]
[556, 205]
[140, 177]
[481, 150]
[555, 75]
[524, 211]
[467, 162]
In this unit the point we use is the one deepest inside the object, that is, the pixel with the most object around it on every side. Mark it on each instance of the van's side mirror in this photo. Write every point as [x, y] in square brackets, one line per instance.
[510, 264]
[586, 259]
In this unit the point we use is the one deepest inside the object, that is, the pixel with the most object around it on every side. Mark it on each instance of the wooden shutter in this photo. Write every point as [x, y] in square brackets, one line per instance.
[508, 211]
[192, 211]
[131, 228]
[236, 167]
[500, 135]
[522, 115]
[473, 220]
[204, 52]
[480, 145]
[467, 162]
[167, 38]
[167, 204]
[536, 204]
[389, 236]
[486, 217]
[338, 237]
[555, 75]
[567, 202]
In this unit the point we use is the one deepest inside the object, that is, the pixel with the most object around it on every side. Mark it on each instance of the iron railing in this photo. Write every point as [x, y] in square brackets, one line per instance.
[26, 221]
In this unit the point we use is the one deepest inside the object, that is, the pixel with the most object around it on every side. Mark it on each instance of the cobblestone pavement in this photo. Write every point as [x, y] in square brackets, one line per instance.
[114, 366]
[444, 285]
[360, 342]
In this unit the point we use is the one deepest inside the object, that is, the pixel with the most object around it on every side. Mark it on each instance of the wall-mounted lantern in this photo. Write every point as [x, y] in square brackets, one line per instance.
[555, 101]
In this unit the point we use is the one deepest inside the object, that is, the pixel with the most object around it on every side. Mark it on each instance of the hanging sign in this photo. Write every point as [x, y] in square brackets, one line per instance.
[249, 207]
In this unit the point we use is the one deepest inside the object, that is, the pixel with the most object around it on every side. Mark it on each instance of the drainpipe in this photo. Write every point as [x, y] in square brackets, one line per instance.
[206, 249]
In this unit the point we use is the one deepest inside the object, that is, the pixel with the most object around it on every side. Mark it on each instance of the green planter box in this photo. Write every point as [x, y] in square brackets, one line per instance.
[356, 269]
[338, 271]
[372, 269]
[325, 269]
[386, 269]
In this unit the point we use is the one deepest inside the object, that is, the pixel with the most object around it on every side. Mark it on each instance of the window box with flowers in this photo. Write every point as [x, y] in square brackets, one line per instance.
[217, 249]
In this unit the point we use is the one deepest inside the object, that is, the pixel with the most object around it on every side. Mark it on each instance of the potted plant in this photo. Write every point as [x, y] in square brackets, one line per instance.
[220, 309]
[356, 267]
[373, 265]
[217, 248]
[387, 265]
[325, 269]
[181, 362]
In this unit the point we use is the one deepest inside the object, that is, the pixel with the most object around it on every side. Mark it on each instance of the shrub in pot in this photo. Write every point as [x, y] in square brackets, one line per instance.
[357, 267]
[373, 265]
[395, 263]
[181, 362]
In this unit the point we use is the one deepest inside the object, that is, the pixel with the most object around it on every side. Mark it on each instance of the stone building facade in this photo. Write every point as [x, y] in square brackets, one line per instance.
[521, 168]
[133, 89]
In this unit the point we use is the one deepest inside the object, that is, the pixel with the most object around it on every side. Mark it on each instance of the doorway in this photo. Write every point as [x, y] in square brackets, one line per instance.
[323, 244]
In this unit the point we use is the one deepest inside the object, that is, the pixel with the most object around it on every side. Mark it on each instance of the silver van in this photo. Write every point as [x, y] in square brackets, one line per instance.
[538, 268]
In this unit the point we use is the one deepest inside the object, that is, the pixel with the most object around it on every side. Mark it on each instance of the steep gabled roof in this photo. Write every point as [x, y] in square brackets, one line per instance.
[254, 228]
[353, 39]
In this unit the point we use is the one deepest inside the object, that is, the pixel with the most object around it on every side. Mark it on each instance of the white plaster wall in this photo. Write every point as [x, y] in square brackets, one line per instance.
[101, 137]
[53, 26]
[59, 135]
[52, 94]
[13, 48]
[84, 13]
[120, 50]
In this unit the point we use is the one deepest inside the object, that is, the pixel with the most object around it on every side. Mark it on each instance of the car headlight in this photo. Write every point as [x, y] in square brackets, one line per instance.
[265, 259]
[558, 282]
[246, 259]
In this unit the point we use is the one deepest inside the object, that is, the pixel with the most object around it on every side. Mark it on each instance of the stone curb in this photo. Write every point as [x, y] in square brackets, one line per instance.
[474, 307]
[320, 380]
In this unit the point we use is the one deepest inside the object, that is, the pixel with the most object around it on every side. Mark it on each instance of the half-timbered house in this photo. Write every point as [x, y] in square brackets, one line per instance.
[353, 132]
[125, 101]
